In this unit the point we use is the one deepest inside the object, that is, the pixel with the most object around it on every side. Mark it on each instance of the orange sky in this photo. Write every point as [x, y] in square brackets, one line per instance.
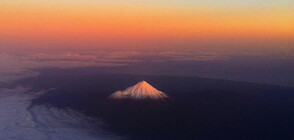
[91, 23]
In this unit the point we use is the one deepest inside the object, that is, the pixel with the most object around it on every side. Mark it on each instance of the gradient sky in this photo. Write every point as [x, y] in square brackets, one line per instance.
[146, 25]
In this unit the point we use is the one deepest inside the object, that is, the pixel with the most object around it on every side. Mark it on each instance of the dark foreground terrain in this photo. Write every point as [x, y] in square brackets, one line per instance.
[199, 108]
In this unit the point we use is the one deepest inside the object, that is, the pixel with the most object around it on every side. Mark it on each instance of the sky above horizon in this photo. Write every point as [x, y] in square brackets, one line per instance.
[146, 25]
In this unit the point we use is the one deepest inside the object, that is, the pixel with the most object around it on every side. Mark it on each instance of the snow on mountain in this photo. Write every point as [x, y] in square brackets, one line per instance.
[140, 91]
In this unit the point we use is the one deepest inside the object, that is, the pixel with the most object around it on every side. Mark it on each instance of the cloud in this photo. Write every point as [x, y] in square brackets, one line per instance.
[18, 121]
[20, 65]
[17, 66]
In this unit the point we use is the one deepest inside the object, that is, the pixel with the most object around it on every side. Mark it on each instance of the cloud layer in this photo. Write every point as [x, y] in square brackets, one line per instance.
[16, 66]
[241, 66]
[20, 122]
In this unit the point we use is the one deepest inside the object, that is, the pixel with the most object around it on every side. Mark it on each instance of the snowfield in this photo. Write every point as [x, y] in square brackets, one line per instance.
[140, 91]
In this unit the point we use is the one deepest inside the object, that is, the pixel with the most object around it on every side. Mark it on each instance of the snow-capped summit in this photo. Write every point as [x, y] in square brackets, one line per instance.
[140, 91]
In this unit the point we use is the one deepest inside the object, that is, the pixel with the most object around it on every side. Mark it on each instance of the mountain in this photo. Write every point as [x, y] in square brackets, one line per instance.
[198, 108]
[140, 91]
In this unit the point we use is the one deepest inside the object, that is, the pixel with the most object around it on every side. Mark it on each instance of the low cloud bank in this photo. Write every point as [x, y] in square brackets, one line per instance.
[266, 67]
[17, 66]
[19, 121]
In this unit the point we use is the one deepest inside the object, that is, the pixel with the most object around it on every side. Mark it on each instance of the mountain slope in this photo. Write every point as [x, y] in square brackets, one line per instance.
[140, 91]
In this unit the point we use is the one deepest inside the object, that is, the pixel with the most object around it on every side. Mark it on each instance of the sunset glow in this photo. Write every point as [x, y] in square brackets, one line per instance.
[126, 23]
